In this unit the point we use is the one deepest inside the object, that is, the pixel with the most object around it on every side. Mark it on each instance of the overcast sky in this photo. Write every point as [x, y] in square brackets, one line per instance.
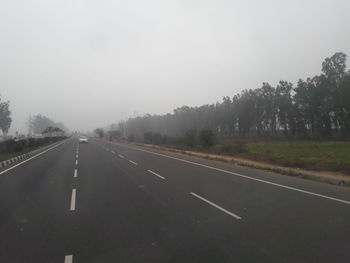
[91, 63]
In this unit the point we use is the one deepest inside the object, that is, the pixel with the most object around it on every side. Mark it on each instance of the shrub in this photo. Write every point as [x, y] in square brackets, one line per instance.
[148, 137]
[131, 138]
[190, 137]
[157, 138]
[7, 146]
[234, 148]
[19, 145]
[12, 146]
[31, 142]
[226, 148]
[207, 138]
[240, 147]
[164, 139]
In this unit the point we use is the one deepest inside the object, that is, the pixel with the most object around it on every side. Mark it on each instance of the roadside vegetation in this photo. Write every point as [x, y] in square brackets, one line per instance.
[316, 108]
[306, 125]
[43, 131]
[5, 119]
[11, 148]
[312, 155]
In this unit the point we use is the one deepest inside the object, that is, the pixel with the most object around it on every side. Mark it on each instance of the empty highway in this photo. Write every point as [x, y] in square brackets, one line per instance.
[109, 202]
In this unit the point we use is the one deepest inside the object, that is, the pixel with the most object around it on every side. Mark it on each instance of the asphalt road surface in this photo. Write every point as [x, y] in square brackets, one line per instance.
[107, 202]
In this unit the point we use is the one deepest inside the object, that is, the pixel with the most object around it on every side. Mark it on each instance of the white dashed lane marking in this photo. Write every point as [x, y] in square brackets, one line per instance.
[72, 201]
[132, 162]
[68, 259]
[161, 177]
[246, 177]
[216, 206]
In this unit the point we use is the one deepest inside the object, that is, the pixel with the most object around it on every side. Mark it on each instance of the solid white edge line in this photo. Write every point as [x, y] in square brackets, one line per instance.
[68, 259]
[216, 206]
[75, 173]
[161, 177]
[132, 162]
[72, 201]
[30, 158]
[248, 177]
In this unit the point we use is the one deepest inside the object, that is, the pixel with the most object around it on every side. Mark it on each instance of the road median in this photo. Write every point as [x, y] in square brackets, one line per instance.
[16, 159]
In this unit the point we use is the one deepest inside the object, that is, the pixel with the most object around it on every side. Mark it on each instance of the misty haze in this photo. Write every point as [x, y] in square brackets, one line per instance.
[174, 131]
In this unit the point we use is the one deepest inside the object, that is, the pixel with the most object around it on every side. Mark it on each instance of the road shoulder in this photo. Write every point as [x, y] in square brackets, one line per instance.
[325, 177]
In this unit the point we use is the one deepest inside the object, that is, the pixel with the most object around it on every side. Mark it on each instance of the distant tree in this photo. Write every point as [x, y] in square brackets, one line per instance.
[206, 138]
[225, 117]
[332, 84]
[190, 137]
[114, 134]
[343, 100]
[164, 139]
[5, 119]
[154, 137]
[121, 128]
[284, 105]
[334, 68]
[131, 138]
[38, 123]
[61, 126]
[99, 132]
[148, 137]
[53, 131]
[158, 138]
[247, 113]
[265, 98]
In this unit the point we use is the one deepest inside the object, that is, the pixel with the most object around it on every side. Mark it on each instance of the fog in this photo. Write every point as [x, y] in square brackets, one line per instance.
[91, 63]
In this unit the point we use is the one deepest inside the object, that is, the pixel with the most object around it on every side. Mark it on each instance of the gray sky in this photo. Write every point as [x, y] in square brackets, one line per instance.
[90, 63]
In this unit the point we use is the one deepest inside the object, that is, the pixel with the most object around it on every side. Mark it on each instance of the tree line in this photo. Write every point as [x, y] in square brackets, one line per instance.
[315, 108]
[37, 124]
[40, 124]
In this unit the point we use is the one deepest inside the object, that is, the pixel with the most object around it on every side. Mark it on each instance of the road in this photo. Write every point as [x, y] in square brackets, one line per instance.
[107, 202]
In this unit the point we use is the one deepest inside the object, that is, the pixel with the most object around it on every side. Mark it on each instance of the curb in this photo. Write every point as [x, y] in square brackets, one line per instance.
[280, 170]
[290, 172]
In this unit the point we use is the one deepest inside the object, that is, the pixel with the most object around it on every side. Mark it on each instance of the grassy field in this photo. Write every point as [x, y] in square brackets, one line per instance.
[323, 156]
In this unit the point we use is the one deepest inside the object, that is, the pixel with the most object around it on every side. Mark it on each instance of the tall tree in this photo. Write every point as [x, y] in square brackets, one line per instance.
[343, 106]
[334, 72]
[284, 105]
[334, 68]
[5, 119]
[100, 132]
